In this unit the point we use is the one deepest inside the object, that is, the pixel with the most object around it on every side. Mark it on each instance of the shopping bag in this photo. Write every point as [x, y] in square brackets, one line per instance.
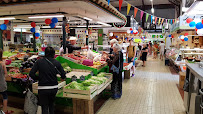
[39, 110]
[115, 69]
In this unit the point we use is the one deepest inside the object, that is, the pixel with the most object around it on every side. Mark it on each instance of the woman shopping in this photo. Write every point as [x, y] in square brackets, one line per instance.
[144, 54]
[48, 68]
[3, 85]
[117, 68]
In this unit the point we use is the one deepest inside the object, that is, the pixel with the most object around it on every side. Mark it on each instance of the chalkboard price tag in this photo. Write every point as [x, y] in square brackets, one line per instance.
[92, 74]
[82, 78]
[74, 78]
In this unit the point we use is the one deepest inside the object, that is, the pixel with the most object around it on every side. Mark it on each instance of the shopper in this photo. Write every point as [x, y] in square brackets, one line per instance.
[45, 44]
[155, 50]
[3, 85]
[130, 55]
[150, 48]
[117, 67]
[71, 46]
[162, 49]
[48, 68]
[144, 54]
[112, 42]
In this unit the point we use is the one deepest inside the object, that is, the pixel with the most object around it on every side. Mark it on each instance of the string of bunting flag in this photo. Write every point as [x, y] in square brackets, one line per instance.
[159, 20]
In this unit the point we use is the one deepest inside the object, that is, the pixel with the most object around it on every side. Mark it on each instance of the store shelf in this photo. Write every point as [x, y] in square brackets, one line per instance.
[191, 49]
[193, 53]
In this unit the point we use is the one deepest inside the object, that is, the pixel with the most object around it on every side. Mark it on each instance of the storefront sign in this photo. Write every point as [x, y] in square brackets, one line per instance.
[120, 24]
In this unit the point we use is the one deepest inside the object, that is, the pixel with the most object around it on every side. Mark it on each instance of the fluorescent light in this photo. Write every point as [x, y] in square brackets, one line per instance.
[152, 10]
[151, 0]
[49, 16]
[184, 9]
[87, 18]
[8, 18]
[103, 23]
[50, 27]
[23, 26]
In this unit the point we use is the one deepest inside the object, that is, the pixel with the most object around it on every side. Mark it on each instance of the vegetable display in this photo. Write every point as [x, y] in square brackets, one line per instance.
[101, 74]
[8, 54]
[76, 85]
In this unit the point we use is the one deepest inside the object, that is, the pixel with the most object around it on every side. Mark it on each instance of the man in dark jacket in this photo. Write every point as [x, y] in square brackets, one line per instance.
[48, 68]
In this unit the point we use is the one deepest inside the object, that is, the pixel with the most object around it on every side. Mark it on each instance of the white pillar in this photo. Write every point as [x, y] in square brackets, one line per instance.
[12, 33]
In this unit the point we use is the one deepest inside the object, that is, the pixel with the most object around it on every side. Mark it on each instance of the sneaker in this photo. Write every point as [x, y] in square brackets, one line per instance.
[133, 75]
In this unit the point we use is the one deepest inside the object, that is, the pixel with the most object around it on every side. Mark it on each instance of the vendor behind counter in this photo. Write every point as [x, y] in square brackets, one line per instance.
[71, 46]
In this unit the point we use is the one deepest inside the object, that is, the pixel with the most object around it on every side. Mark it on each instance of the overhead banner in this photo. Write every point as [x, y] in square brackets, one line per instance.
[141, 15]
[159, 21]
[108, 2]
[162, 21]
[128, 8]
[147, 15]
[120, 4]
[135, 12]
[155, 20]
[151, 18]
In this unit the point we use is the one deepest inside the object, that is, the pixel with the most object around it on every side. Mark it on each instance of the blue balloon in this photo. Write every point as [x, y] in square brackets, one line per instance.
[54, 20]
[186, 39]
[199, 25]
[169, 35]
[37, 34]
[52, 25]
[32, 29]
[131, 32]
[3, 27]
[192, 24]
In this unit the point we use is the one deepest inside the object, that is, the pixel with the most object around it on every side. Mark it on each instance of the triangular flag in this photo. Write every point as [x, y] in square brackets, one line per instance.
[135, 12]
[162, 21]
[159, 21]
[173, 20]
[147, 15]
[151, 18]
[166, 21]
[120, 4]
[155, 20]
[108, 2]
[128, 8]
[141, 15]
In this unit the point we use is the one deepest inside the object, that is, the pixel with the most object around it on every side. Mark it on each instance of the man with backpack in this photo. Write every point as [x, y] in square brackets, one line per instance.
[130, 55]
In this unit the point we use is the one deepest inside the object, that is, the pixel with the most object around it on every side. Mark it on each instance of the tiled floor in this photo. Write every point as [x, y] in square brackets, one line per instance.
[153, 90]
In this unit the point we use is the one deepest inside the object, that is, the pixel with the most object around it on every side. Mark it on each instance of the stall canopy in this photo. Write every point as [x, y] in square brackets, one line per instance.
[98, 12]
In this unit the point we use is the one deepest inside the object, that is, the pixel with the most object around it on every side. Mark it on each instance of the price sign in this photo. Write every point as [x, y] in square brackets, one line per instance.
[74, 78]
[82, 78]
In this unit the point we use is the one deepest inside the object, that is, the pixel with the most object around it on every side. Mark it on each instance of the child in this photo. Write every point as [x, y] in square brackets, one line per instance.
[3, 85]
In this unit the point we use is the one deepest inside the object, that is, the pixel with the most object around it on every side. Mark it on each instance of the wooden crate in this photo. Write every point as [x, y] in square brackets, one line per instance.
[81, 106]
[104, 87]
[80, 94]
[182, 76]
[60, 85]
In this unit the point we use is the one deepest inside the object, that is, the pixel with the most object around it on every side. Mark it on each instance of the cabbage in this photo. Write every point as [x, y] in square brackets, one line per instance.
[101, 74]
[76, 85]
[100, 79]
[90, 82]
[64, 65]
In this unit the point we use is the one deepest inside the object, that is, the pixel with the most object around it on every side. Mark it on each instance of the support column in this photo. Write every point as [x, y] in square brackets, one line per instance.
[64, 34]
[34, 43]
[87, 34]
[1, 40]
[21, 36]
[12, 33]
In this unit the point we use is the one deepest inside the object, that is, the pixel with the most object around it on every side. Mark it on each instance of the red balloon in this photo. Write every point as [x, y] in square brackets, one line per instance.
[48, 21]
[131, 29]
[189, 20]
[186, 34]
[196, 29]
[182, 39]
[202, 21]
[33, 24]
[172, 36]
[6, 21]
[36, 37]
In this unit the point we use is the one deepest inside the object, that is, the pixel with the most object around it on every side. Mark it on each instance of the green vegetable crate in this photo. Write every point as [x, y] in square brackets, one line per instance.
[80, 94]
[103, 86]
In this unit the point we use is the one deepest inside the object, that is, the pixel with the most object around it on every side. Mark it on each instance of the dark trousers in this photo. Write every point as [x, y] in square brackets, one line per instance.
[46, 99]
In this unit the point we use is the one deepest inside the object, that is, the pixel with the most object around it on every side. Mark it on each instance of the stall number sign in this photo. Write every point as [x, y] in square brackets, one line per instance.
[82, 78]
[74, 78]
[157, 36]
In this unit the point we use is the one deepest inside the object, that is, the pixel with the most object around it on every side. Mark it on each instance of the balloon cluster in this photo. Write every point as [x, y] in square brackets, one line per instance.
[35, 29]
[4, 26]
[198, 26]
[131, 31]
[183, 37]
[52, 22]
